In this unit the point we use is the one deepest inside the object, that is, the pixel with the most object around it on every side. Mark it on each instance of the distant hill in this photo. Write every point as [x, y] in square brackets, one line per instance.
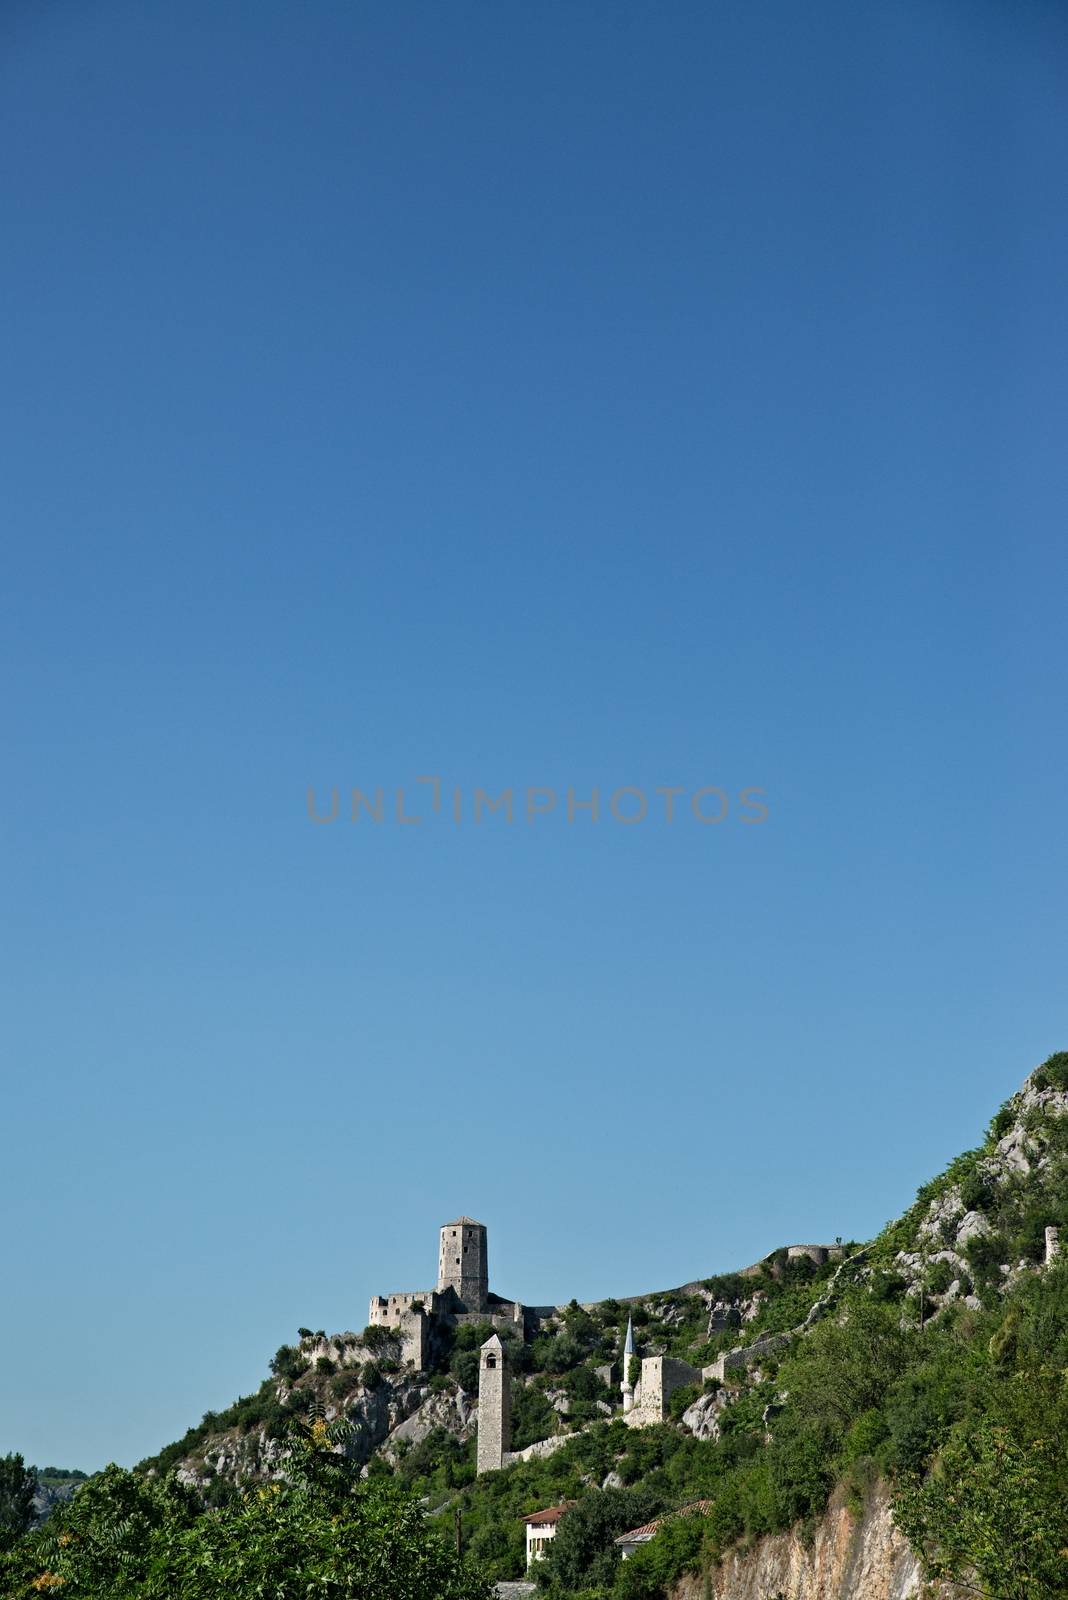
[54, 1485]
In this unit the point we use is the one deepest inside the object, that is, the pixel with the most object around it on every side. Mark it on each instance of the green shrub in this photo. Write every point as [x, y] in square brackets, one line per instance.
[683, 1398]
[463, 1365]
[675, 1548]
[345, 1382]
[1054, 1072]
[865, 1436]
[1000, 1125]
[288, 1363]
[985, 1254]
[582, 1383]
[886, 1286]
[976, 1192]
[533, 1418]
[939, 1277]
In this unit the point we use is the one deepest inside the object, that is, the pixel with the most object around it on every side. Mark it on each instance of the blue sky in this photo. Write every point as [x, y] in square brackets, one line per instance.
[534, 396]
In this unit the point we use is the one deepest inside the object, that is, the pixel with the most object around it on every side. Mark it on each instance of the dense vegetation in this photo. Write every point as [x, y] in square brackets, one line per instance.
[956, 1396]
[872, 1393]
[936, 1363]
[322, 1532]
[18, 1486]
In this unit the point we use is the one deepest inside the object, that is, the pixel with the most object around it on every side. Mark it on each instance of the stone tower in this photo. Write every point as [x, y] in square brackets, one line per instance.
[628, 1356]
[462, 1262]
[494, 1406]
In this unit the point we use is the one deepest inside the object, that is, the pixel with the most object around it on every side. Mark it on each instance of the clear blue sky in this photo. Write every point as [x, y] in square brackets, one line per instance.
[534, 395]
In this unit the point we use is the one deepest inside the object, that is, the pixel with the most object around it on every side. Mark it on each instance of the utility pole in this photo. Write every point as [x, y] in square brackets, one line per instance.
[459, 1534]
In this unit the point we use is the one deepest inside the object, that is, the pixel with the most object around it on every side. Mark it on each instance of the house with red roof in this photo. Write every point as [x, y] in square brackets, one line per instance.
[541, 1529]
[627, 1543]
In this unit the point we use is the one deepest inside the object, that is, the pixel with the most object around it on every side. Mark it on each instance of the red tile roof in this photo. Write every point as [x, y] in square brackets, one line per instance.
[647, 1529]
[553, 1514]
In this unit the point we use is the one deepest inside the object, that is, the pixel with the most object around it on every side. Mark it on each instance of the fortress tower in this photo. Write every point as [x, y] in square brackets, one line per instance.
[462, 1263]
[494, 1406]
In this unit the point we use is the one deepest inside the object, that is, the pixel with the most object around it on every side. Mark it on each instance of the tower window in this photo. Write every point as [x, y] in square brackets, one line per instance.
[491, 1361]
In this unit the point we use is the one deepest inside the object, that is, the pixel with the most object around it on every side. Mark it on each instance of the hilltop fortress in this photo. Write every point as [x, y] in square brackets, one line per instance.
[463, 1296]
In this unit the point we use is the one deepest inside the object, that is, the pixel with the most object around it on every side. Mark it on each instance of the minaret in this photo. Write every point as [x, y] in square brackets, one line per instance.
[494, 1407]
[628, 1352]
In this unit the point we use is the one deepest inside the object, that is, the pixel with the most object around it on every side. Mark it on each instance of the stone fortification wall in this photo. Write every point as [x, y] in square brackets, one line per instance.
[745, 1356]
[386, 1310]
[661, 1376]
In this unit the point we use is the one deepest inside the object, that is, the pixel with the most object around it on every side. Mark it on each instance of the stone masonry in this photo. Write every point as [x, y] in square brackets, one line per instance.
[462, 1263]
[660, 1377]
[462, 1293]
[494, 1406]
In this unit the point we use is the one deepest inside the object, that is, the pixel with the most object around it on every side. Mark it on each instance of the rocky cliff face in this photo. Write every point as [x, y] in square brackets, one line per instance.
[850, 1558]
[49, 1496]
[375, 1415]
[1018, 1169]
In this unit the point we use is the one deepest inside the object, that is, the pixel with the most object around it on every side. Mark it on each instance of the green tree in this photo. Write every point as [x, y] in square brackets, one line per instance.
[280, 1542]
[102, 1542]
[843, 1369]
[18, 1485]
[583, 1554]
[653, 1566]
[995, 1509]
[322, 1532]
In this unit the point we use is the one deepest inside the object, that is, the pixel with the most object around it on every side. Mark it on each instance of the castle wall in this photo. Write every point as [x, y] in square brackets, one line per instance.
[387, 1310]
[415, 1339]
[479, 1319]
[819, 1253]
[543, 1448]
[745, 1355]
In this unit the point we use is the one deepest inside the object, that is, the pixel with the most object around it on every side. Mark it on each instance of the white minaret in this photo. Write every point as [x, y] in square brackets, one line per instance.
[628, 1352]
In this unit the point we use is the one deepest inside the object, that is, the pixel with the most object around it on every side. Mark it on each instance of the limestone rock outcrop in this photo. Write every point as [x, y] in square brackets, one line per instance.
[850, 1558]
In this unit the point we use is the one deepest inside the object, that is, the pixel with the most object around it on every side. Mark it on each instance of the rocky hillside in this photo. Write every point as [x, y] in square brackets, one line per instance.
[55, 1485]
[996, 1212]
[832, 1387]
[849, 1555]
[566, 1377]
[357, 1377]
